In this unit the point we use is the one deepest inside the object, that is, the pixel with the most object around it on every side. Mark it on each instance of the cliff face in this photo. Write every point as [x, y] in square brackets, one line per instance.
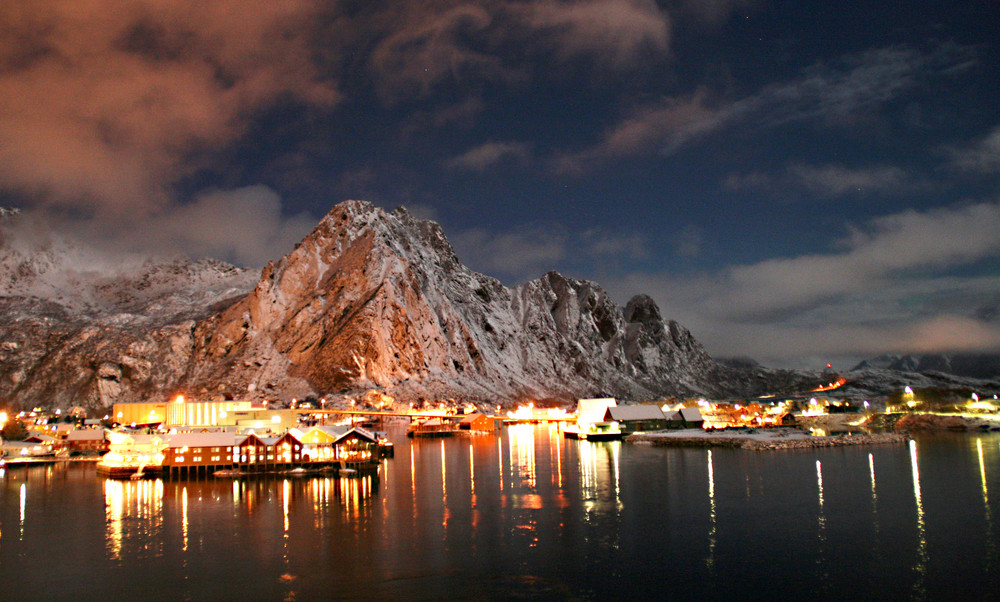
[376, 299]
[368, 299]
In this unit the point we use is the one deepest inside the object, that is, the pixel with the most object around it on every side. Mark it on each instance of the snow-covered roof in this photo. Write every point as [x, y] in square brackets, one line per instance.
[638, 412]
[593, 410]
[361, 432]
[333, 431]
[691, 415]
[204, 440]
[86, 435]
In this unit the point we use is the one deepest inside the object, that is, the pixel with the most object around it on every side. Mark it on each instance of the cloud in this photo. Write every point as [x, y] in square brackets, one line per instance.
[421, 44]
[825, 93]
[615, 31]
[528, 251]
[489, 154]
[879, 290]
[106, 105]
[982, 156]
[829, 180]
[244, 226]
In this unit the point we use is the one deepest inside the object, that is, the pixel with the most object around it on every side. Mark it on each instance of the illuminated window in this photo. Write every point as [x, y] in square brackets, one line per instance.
[180, 458]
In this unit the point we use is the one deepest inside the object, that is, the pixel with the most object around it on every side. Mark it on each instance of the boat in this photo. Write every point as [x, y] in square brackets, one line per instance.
[348, 472]
[597, 431]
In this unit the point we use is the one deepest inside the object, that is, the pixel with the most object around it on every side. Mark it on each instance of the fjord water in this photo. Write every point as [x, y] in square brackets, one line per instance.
[525, 514]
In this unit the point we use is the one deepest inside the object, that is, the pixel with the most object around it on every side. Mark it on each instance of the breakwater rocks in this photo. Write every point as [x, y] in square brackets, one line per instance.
[766, 442]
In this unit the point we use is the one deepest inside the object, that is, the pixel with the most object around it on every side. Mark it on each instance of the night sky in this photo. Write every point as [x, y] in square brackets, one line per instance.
[798, 182]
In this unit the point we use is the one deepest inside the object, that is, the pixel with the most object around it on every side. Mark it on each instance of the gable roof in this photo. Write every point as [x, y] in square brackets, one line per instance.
[361, 433]
[691, 415]
[593, 410]
[86, 435]
[637, 412]
[330, 433]
[204, 440]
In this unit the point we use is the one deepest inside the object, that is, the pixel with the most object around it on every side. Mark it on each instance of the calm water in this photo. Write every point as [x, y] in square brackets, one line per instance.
[521, 515]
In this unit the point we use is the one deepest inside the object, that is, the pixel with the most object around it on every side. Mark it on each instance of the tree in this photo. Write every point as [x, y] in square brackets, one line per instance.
[14, 430]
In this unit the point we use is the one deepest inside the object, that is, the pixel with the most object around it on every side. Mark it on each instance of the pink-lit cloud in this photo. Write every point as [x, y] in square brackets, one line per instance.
[423, 43]
[490, 153]
[106, 105]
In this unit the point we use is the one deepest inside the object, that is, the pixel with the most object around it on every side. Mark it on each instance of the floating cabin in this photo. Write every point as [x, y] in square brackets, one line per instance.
[205, 453]
[476, 422]
[87, 440]
[591, 423]
[637, 418]
[353, 447]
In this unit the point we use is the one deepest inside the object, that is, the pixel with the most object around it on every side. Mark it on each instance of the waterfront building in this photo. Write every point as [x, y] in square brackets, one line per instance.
[181, 412]
[87, 440]
[130, 453]
[200, 453]
[637, 418]
[476, 422]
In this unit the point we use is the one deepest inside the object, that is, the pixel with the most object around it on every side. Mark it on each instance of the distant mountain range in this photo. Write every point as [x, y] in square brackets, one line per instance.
[368, 300]
[972, 365]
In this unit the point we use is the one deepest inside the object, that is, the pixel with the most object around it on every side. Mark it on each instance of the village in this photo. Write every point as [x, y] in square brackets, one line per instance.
[182, 438]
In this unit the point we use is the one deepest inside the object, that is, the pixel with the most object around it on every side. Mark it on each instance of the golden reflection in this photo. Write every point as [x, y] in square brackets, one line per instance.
[819, 483]
[472, 476]
[982, 474]
[500, 460]
[444, 475]
[558, 443]
[184, 519]
[444, 490]
[920, 567]
[871, 472]
[140, 501]
[113, 510]
[286, 500]
[710, 561]
[990, 545]
[522, 453]
[24, 499]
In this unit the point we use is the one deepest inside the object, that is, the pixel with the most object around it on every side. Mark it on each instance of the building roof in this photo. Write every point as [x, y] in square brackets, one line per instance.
[593, 410]
[691, 415]
[470, 418]
[637, 412]
[361, 433]
[204, 439]
[86, 435]
[334, 431]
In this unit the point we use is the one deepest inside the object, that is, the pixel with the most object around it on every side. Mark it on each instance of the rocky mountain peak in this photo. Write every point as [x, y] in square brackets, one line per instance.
[376, 299]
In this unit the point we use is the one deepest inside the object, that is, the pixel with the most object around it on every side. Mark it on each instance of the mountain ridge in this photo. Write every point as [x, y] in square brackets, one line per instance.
[368, 300]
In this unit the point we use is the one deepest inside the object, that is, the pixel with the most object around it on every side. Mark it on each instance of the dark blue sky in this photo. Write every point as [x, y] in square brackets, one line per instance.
[799, 182]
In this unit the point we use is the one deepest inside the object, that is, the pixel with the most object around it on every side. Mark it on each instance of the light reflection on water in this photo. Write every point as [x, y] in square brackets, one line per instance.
[529, 512]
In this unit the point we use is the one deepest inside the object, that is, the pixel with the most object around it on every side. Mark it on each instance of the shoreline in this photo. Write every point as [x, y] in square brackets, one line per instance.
[763, 441]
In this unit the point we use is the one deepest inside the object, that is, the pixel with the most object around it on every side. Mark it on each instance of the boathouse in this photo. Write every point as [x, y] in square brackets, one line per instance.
[476, 421]
[637, 418]
[87, 440]
[189, 454]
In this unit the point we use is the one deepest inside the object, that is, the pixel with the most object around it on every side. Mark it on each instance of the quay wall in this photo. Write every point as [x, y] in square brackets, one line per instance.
[752, 443]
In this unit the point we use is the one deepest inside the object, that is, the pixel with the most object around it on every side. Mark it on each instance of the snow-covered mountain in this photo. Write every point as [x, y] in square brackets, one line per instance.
[368, 300]
[970, 365]
[377, 299]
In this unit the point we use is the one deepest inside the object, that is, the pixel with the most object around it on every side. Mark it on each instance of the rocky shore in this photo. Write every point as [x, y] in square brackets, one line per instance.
[763, 440]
